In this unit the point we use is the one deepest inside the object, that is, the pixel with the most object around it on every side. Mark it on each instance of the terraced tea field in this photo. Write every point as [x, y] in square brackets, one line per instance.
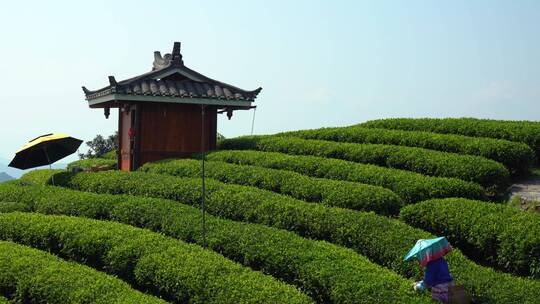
[311, 216]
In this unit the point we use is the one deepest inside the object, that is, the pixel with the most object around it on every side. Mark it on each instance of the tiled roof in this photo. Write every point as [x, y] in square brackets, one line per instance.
[170, 78]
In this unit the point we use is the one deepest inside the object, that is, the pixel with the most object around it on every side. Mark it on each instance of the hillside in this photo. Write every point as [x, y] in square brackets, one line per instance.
[310, 216]
[5, 177]
[16, 173]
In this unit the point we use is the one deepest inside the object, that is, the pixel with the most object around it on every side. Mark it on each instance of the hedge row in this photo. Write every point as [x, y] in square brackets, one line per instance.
[382, 240]
[501, 235]
[520, 131]
[92, 162]
[174, 270]
[328, 192]
[476, 169]
[517, 157]
[3, 300]
[326, 272]
[411, 187]
[28, 275]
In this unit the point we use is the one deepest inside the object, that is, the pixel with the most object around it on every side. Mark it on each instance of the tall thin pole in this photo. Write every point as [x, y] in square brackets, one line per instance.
[49, 161]
[253, 121]
[203, 194]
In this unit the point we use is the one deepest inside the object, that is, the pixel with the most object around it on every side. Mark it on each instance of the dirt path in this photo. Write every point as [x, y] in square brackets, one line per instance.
[528, 191]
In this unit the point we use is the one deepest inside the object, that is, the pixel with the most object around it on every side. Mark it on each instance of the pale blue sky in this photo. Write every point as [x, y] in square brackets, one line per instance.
[320, 63]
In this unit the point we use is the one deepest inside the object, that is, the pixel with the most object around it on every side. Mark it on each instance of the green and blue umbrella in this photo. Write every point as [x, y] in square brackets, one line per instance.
[429, 250]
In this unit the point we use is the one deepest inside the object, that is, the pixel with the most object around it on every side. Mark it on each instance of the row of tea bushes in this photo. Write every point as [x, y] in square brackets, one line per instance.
[28, 275]
[517, 157]
[527, 132]
[174, 270]
[328, 192]
[411, 187]
[476, 169]
[92, 162]
[382, 240]
[326, 272]
[501, 235]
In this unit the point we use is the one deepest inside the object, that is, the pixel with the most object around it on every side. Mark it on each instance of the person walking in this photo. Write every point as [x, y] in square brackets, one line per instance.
[437, 277]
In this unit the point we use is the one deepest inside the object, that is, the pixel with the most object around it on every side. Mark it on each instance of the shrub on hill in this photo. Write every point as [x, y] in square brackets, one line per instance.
[28, 275]
[174, 270]
[476, 169]
[517, 157]
[326, 272]
[411, 187]
[521, 131]
[92, 162]
[383, 240]
[111, 155]
[499, 234]
[328, 192]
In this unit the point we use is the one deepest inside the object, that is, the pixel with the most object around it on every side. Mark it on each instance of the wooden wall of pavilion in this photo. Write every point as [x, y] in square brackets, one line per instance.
[164, 130]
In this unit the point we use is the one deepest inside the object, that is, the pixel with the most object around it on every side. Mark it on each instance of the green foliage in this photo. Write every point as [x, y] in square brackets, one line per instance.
[433, 163]
[174, 270]
[99, 146]
[39, 177]
[498, 234]
[527, 132]
[410, 186]
[92, 162]
[517, 157]
[326, 272]
[31, 276]
[382, 240]
[13, 205]
[3, 300]
[111, 155]
[328, 192]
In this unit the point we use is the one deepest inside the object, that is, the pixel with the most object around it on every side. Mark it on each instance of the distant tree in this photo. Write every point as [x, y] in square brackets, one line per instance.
[219, 136]
[98, 146]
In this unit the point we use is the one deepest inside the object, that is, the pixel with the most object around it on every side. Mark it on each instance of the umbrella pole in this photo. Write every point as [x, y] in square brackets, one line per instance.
[50, 166]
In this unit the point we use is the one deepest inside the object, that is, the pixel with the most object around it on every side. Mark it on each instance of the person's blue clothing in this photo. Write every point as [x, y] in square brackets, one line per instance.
[437, 273]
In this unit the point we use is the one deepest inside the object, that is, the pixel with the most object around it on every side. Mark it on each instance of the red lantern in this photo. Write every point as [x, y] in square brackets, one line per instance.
[131, 133]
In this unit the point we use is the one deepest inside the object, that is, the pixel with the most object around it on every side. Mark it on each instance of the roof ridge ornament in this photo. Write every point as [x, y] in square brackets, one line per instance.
[112, 81]
[160, 62]
[174, 59]
[176, 56]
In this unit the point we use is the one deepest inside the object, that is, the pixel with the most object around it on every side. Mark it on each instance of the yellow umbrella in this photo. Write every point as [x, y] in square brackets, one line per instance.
[45, 150]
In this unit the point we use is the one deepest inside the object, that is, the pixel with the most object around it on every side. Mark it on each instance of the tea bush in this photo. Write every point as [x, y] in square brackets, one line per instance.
[174, 270]
[476, 169]
[92, 162]
[384, 241]
[517, 157]
[28, 275]
[502, 235]
[328, 192]
[326, 272]
[527, 132]
[411, 187]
